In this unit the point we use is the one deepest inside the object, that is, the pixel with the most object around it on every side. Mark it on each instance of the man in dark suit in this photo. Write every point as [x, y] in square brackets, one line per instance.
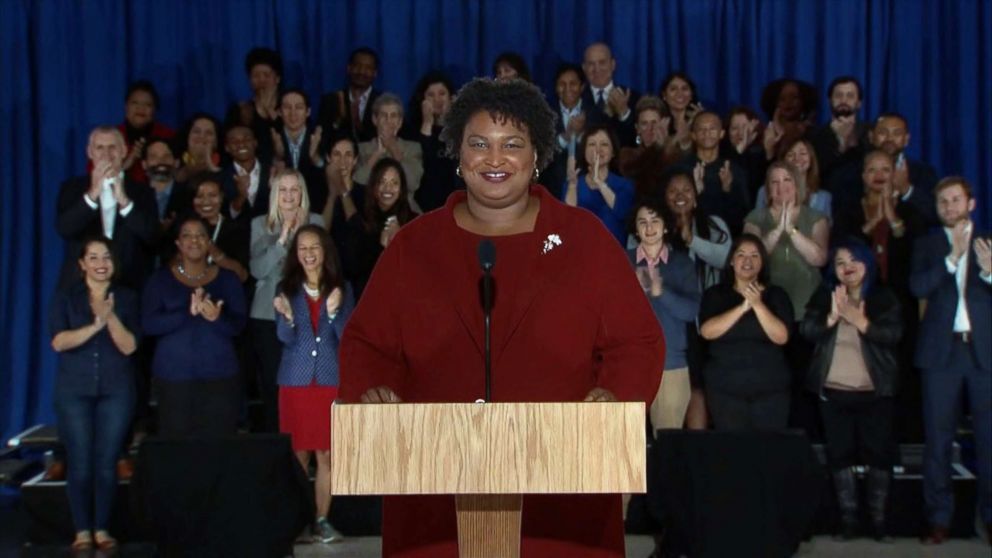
[246, 179]
[607, 103]
[172, 199]
[350, 109]
[952, 270]
[299, 145]
[104, 203]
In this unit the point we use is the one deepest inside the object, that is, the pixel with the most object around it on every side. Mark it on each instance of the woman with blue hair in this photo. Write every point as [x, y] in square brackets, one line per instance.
[855, 324]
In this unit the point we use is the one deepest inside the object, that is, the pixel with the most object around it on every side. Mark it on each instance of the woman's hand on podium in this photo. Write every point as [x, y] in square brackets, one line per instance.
[381, 394]
[600, 395]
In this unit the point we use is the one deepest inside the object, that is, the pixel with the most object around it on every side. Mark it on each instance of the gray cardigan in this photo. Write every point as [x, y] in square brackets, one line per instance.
[267, 259]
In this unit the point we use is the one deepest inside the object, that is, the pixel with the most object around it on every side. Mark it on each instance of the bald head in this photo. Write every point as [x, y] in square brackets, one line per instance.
[598, 65]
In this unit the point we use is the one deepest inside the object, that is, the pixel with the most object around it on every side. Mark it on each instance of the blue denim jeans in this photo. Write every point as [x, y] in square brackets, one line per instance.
[93, 429]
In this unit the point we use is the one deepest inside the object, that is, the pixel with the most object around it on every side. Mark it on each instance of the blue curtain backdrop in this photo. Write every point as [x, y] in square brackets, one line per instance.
[65, 65]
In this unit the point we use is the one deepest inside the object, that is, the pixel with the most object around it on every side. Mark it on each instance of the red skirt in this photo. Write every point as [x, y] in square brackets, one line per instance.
[305, 414]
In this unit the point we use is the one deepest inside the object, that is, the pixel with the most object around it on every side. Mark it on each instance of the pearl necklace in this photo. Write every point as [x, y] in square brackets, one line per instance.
[182, 271]
[312, 293]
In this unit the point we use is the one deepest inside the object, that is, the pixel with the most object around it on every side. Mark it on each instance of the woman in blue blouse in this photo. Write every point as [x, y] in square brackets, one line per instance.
[595, 184]
[669, 280]
[94, 330]
[195, 308]
[313, 306]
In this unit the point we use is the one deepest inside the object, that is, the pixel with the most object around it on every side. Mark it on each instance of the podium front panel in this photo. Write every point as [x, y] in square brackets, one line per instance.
[490, 448]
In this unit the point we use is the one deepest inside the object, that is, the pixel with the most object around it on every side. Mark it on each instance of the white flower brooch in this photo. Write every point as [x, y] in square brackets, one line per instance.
[550, 243]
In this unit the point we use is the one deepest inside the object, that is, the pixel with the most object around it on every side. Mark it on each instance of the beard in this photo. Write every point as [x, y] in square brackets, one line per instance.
[842, 110]
[160, 173]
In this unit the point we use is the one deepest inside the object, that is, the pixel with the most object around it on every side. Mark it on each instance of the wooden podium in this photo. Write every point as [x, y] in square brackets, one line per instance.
[487, 455]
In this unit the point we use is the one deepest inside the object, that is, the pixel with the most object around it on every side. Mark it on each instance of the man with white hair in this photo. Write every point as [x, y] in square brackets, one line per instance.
[105, 203]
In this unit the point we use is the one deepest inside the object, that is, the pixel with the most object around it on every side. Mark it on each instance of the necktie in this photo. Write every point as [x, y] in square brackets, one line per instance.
[356, 117]
[600, 101]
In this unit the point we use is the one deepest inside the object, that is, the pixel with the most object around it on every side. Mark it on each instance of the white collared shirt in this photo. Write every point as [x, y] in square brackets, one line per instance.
[962, 323]
[107, 205]
[566, 116]
[605, 91]
[253, 179]
[363, 102]
[295, 146]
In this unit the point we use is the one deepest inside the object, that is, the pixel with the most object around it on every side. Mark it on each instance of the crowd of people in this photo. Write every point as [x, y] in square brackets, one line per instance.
[785, 261]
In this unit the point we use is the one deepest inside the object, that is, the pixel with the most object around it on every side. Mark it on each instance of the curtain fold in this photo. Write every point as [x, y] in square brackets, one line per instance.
[66, 64]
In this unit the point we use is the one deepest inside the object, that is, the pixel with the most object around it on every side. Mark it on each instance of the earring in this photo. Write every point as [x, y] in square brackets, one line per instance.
[458, 171]
[537, 173]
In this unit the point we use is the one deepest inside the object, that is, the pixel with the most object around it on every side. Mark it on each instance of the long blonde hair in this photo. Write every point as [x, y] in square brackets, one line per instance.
[274, 220]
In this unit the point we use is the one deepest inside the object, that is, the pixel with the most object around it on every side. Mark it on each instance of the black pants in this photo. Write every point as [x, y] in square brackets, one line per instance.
[764, 411]
[199, 408]
[858, 429]
[268, 351]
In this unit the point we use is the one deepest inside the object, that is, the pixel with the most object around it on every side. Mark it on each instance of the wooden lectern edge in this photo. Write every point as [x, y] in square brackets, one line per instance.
[638, 437]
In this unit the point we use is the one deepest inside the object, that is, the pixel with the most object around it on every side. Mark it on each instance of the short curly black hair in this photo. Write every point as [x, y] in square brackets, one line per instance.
[515, 100]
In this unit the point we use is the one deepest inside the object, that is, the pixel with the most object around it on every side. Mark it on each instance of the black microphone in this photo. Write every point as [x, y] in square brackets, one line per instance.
[487, 259]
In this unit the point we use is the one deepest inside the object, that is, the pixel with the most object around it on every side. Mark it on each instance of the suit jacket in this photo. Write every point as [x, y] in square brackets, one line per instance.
[135, 236]
[261, 205]
[309, 356]
[931, 280]
[568, 316]
[312, 174]
[265, 265]
[596, 116]
[335, 114]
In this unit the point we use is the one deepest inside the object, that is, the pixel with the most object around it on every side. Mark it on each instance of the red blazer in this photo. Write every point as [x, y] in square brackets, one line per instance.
[568, 316]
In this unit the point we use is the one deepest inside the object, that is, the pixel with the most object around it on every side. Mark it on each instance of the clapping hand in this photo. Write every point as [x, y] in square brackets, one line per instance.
[314, 151]
[288, 226]
[698, 172]
[135, 153]
[102, 170]
[900, 177]
[750, 134]
[278, 147]
[959, 238]
[838, 298]
[389, 230]
[119, 194]
[595, 181]
[210, 310]
[281, 305]
[983, 255]
[334, 301]
[850, 313]
[726, 176]
[752, 295]
[619, 101]
[102, 310]
[843, 128]
[195, 300]
[600, 395]
[773, 134]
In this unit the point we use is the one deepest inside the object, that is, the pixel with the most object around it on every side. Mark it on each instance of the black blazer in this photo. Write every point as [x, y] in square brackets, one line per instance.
[930, 279]
[878, 343]
[314, 175]
[595, 116]
[261, 205]
[135, 236]
[335, 114]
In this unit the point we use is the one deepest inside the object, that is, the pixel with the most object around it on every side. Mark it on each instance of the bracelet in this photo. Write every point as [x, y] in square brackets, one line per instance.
[898, 224]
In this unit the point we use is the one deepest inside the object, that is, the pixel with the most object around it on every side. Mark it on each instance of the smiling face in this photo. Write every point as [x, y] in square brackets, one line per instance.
[648, 124]
[497, 160]
[342, 155]
[782, 188]
[290, 195]
[598, 64]
[890, 135]
[139, 110]
[388, 119]
[440, 98]
[954, 205]
[877, 173]
[850, 272]
[310, 252]
[294, 111]
[746, 262]
[388, 189]
[362, 71]
[798, 155]
[97, 264]
[569, 88]
[193, 241]
[106, 147]
[202, 134]
[650, 227]
[208, 200]
[599, 145]
[707, 131]
[737, 130]
[677, 94]
[680, 195]
[240, 144]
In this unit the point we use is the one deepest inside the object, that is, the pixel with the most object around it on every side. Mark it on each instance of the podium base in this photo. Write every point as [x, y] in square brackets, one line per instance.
[488, 525]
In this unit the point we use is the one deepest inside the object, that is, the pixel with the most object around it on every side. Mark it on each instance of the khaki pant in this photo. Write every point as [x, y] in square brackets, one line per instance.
[672, 400]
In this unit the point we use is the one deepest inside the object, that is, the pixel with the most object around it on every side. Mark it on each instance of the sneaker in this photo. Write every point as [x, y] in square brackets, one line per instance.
[325, 532]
